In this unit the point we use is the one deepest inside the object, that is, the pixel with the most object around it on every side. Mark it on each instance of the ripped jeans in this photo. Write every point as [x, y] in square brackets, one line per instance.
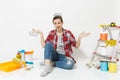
[60, 60]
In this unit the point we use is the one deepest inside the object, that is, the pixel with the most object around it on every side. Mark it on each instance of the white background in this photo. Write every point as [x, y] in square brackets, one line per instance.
[18, 17]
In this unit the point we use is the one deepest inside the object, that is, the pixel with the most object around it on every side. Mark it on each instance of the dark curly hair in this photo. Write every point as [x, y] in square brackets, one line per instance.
[57, 17]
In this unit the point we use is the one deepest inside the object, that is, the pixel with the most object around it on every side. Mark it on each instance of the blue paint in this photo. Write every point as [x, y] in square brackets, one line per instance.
[29, 62]
[104, 65]
[22, 51]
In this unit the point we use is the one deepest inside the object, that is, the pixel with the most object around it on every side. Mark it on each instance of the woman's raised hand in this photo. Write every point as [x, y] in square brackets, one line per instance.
[37, 31]
[84, 34]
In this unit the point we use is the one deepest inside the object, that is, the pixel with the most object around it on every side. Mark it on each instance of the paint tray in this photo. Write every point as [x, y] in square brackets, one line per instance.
[9, 66]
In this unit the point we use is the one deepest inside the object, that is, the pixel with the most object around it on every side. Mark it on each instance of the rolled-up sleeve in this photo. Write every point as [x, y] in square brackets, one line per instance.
[72, 40]
[50, 37]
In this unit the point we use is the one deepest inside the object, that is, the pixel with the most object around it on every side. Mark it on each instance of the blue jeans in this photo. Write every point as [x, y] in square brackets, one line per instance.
[60, 60]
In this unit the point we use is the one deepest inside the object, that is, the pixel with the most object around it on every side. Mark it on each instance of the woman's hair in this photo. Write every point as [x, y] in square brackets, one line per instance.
[57, 16]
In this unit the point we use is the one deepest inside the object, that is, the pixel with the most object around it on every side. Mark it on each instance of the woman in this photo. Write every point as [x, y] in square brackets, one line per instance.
[58, 47]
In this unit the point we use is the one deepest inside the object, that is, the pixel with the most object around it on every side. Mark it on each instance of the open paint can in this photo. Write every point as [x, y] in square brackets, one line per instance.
[112, 67]
[104, 65]
[103, 36]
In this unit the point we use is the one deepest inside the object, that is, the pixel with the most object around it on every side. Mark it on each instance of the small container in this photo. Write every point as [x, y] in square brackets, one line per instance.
[104, 36]
[29, 58]
[22, 52]
[112, 67]
[104, 65]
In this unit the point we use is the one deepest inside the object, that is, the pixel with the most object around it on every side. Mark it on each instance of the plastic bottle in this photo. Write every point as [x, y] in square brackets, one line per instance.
[18, 56]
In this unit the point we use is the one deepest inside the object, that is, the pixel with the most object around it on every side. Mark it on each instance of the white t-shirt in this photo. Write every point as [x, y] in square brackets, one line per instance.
[60, 45]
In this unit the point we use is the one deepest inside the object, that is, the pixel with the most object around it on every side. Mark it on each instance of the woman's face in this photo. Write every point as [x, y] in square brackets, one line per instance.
[58, 24]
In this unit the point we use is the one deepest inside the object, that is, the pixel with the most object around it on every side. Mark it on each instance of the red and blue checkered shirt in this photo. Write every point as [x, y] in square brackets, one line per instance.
[68, 40]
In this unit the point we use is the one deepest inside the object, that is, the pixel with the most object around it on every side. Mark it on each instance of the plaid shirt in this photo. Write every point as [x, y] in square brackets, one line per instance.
[68, 41]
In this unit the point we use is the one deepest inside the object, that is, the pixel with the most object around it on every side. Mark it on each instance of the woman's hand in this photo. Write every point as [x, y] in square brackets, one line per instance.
[37, 31]
[41, 36]
[83, 34]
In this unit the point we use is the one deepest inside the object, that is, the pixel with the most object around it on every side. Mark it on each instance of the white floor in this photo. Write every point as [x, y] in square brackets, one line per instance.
[79, 73]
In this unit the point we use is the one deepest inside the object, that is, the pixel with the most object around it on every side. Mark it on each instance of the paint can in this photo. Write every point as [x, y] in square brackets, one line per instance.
[103, 36]
[104, 65]
[29, 58]
[112, 67]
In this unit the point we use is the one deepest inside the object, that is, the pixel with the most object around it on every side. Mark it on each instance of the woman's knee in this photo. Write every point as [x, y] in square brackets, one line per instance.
[69, 65]
[48, 44]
